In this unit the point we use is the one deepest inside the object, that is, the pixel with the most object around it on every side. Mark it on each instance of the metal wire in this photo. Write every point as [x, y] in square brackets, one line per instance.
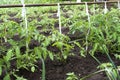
[53, 4]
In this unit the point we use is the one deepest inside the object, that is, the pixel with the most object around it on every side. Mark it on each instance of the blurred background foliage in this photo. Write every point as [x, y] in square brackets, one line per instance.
[37, 1]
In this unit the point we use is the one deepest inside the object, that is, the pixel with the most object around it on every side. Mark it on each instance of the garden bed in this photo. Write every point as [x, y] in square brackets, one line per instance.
[56, 70]
[77, 49]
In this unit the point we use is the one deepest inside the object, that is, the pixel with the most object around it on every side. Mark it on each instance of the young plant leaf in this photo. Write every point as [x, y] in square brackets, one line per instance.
[0, 70]
[94, 48]
[9, 55]
[37, 52]
[51, 55]
[17, 52]
[33, 69]
[7, 77]
[58, 44]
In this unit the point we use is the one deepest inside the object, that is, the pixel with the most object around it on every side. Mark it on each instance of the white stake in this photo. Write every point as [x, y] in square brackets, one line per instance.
[87, 13]
[25, 18]
[24, 13]
[105, 9]
[118, 4]
[58, 14]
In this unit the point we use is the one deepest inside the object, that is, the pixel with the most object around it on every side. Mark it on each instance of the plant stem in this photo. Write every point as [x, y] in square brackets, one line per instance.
[43, 69]
[113, 64]
[84, 78]
[96, 59]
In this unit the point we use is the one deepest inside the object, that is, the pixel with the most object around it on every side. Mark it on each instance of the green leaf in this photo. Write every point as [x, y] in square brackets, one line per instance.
[114, 36]
[33, 69]
[7, 77]
[95, 48]
[65, 56]
[20, 78]
[17, 50]
[37, 51]
[71, 76]
[51, 56]
[78, 44]
[44, 52]
[46, 42]
[9, 55]
[82, 53]
[0, 70]
[105, 48]
[58, 44]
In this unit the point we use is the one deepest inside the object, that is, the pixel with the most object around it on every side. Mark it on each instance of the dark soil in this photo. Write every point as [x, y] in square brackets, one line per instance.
[56, 70]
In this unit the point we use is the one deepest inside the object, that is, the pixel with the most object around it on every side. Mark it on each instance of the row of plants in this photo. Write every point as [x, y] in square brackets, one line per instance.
[103, 38]
[25, 46]
[37, 1]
